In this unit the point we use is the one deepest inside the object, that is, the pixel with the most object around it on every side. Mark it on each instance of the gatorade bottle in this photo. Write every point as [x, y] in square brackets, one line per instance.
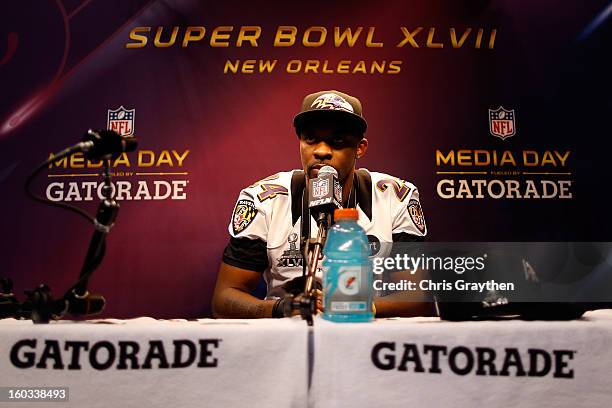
[347, 271]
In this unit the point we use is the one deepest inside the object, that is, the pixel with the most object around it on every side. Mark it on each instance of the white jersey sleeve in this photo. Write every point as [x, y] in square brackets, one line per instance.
[257, 222]
[249, 217]
[401, 199]
[409, 216]
[252, 216]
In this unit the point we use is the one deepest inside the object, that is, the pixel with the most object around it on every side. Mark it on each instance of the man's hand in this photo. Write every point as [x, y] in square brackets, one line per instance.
[319, 296]
[406, 303]
[232, 297]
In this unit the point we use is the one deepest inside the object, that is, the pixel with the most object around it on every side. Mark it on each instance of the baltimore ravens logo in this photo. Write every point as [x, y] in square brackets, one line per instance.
[244, 214]
[332, 101]
[416, 214]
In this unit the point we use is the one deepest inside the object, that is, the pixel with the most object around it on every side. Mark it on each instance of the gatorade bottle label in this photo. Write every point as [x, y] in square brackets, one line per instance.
[348, 306]
[348, 284]
[349, 280]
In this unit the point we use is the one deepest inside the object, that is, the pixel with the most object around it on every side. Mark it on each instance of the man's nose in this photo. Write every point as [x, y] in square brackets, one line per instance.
[322, 151]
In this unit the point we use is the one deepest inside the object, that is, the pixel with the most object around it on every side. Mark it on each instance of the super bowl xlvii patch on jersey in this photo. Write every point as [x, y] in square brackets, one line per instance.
[243, 216]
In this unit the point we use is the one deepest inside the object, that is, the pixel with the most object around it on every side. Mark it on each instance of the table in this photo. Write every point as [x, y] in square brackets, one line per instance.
[151, 363]
[423, 362]
[418, 362]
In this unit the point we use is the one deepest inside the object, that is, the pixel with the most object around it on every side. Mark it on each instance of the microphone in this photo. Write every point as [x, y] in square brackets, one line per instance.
[324, 196]
[88, 304]
[324, 192]
[106, 144]
[42, 307]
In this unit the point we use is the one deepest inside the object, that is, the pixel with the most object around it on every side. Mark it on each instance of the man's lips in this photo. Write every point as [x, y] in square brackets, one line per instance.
[318, 166]
[313, 170]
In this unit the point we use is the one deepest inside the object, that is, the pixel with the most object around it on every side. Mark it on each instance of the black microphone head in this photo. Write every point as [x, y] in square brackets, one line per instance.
[130, 144]
[88, 305]
[107, 144]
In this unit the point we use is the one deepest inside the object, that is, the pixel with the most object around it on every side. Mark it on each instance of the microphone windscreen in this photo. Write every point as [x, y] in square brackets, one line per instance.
[327, 170]
[324, 191]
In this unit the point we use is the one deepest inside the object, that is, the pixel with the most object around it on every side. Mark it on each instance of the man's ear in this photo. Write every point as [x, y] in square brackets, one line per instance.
[362, 147]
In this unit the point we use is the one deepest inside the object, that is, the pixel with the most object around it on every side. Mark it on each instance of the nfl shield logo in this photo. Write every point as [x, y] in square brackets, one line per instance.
[502, 123]
[121, 120]
[320, 188]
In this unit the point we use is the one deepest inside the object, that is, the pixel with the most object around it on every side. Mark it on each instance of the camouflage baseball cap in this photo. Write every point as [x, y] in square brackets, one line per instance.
[333, 104]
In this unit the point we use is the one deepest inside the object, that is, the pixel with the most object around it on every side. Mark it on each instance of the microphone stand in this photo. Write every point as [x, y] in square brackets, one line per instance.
[78, 296]
[40, 305]
[306, 302]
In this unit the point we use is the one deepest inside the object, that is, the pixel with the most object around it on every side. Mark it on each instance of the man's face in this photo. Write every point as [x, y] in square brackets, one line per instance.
[328, 144]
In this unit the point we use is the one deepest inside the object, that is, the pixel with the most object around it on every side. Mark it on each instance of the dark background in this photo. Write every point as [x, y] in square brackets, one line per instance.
[63, 64]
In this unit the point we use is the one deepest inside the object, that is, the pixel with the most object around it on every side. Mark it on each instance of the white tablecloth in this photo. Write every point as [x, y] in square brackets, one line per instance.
[245, 363]
[264, 363]
[346, 359]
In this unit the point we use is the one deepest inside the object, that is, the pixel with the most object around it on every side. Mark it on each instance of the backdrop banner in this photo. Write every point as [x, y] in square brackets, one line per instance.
[495, 110]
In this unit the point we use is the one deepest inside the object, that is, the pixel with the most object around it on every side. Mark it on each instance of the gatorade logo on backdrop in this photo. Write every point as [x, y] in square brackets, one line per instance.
[144, 175]
[506, 171]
